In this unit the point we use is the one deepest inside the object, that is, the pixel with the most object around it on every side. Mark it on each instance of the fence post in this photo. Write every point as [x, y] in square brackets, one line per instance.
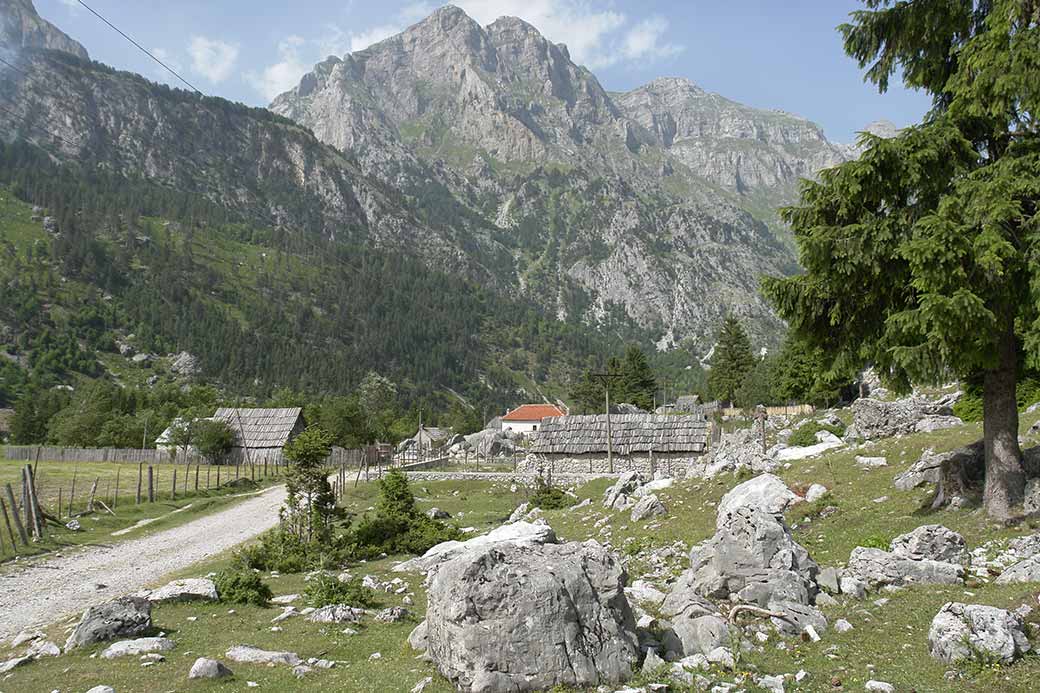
[140, 468]
[151, 488]
[7, 521]
[115, 498]
[173, 489]
[17, 520]
[196, 478]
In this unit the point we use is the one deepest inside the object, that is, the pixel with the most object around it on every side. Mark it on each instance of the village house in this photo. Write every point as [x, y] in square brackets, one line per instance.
[646, 443]
[426, 438]
[528, 418]
[260, 434]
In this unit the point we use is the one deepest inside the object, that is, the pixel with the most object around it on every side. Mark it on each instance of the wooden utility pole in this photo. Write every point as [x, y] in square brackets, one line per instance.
[761, 415]
[606, 378]
[7, 521]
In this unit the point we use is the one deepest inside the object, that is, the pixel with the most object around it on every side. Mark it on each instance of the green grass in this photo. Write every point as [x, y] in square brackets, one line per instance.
[888, 642]
[52, 477]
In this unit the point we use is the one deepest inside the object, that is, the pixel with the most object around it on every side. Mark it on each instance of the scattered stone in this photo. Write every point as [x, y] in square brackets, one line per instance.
[827, 441]
[854, 587]
[815, 493]
[960, 631]
[437, 514]
[72, 525]
[126, 616]
[194, 589]
[842, 626]
[13, 663]
[1023, 571]
[421, 686]
[102, 689]
[185, 364]
[773, 684]
[928, 469]
[619, 496]
[254, 655]
[737, 451]
[874, 419]
[417, 638]
[879, 687]
[139, 646]
[204, 668]
[829, 579]
[288, 598]
[393, 614]
[512, 617]
[871, 462]
[336, 613]
[933, 542]
[878, 568]
[520, 512]
[26, 636]
[643, 591]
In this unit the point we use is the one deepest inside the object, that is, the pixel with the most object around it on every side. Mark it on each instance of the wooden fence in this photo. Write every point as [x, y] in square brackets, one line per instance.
[789, 410]
[340, 457]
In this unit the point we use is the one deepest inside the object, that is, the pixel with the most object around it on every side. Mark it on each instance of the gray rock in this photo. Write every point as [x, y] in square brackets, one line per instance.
[1031, 501]
[648, 507]
[959, 631]
[815, 493]
[853, 587]
[102, 689]
[136, 647]
[190, 590]
[437, 514]
[873, 686]
[1023, 571]
[520, 512]
[842, 626]
[619, 496]
[753, 557]
[515, 533]
[765, 492]
[417, 638]
[879, 568]
[185, 364]
[254, 655]
[874, 419]
[937, 423]
[204, 668]
[43, 648]
[799, 618]
[829, 579]
[738, 451]
[126, 616]
[871, 462]
[506, 618]
[652, 662]
[393, 614]
[14, 663]
[928, 468]
[336, 613]
[933, 542]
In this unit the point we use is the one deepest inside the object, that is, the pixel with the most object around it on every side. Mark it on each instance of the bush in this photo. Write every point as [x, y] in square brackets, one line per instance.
[325, 589]
[281, 551]
[549, 497]
[240, 585]
[805, 435]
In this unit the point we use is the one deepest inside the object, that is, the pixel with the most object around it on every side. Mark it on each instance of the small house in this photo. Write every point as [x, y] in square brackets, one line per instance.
[260, 434]
[528, 418]
[646, 443]
[426, 439]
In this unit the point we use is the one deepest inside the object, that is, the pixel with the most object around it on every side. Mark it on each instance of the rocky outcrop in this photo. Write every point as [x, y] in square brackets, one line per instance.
[648, 507]
[874, 419]
[738, 451]
[964, 631]
[516, 533]
[139, 646]
[512, 618]
[123, 617]
[190, 590]
[254, 655]
[931, 554]
[22, 27]
[204, 668]
[621, 495]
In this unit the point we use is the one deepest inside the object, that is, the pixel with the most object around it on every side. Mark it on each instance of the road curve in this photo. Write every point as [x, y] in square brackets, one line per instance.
[47, 590]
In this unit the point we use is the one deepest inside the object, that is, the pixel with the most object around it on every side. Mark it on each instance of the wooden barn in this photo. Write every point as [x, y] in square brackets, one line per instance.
[639, 442]
[260, 434]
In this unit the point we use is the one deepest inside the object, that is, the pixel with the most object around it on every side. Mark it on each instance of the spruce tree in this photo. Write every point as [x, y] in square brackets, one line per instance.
[920, 256]
[732, 361]
[637, 383]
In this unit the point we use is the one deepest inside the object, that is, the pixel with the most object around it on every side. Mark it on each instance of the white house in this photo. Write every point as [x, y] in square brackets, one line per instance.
[527, 418]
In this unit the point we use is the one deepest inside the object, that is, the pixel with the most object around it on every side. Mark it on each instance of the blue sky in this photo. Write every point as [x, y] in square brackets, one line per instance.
[781, 54]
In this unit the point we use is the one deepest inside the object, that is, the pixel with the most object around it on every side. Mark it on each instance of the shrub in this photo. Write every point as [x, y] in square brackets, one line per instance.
[876, 541]
[805, 435]
[240, 585]
[281, 551]
[324, 589]
[549, 497]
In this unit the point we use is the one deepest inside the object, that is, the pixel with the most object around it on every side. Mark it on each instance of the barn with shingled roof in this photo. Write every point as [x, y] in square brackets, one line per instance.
[260, 434]
[646, 443]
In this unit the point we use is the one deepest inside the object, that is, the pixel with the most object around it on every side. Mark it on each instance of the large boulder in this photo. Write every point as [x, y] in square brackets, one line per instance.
[825, 441]
[190, 590]
[753, 558]
[933, 542]
[254, 655]
[204, 668]
[1027, 570]
[336, 613]
[737, 451]
[928, 469]
[963, 631]
[507, 617]
[766, 492]
[514, 533]
[699, 626]
[139, 646]
[874, 419]
[123, 617]
[648, 507]
[878, 568]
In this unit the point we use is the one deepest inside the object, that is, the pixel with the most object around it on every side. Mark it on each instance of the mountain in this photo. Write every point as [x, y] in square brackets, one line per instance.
[659, 203]
[22, 27]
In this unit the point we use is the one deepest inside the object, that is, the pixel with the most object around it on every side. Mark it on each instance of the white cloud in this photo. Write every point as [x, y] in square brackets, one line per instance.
[212, 58]
[161, 73]
[646, 40]
[73, 6]
[363, 40]
[285, 74]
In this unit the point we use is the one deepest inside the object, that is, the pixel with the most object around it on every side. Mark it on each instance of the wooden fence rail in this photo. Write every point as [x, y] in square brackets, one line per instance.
[340, 457]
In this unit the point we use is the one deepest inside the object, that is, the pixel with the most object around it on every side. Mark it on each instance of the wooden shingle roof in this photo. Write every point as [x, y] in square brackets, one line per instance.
[631, 433]
[261, 428]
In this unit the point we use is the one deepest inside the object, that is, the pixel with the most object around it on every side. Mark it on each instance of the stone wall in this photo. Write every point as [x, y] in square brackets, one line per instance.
[670, 464]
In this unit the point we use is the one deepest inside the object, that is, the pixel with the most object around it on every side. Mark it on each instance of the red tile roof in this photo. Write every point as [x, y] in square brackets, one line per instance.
[533, 412]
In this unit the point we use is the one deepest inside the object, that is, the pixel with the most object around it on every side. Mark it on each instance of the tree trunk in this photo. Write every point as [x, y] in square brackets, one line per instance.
[1005, 476]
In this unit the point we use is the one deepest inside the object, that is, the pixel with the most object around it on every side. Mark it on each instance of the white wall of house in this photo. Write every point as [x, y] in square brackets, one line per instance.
[521, 427]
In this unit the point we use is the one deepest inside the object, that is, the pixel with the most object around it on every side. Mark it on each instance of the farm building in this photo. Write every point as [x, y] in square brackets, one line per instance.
[528, 417]
[426, 439]
[640, 442]
[260, 434]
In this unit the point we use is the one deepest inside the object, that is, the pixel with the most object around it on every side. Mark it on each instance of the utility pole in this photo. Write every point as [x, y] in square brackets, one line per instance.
[606, 378]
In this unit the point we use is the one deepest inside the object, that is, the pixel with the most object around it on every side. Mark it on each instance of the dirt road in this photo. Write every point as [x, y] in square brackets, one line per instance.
[49, 589]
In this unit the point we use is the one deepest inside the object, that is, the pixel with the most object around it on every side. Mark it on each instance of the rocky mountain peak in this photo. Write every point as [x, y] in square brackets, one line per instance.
[21, 26]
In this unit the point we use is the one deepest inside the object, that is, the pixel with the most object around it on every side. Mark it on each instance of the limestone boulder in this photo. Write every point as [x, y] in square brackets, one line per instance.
[698, 624]
[336, 613]
[648, 507]
[1023, 571]
[933, 542]
[191, 590]
[878, 568]
[123, 617]
[766, 492]
[961, 631]
[523, 617]
[138, 646]
[204, 668]
[254, 655]
[514, 533]
[738, 451]
[875, 419]
[753, 558]
[620, 495]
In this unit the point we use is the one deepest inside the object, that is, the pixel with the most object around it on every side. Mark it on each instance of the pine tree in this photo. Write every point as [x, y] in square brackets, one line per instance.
[637, 383]
[732, 361]
[920, 255]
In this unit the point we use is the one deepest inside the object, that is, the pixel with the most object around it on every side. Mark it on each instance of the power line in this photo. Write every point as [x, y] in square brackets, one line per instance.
[141, 48]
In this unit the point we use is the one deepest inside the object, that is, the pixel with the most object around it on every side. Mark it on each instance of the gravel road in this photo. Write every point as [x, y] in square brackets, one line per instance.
[44, 591]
